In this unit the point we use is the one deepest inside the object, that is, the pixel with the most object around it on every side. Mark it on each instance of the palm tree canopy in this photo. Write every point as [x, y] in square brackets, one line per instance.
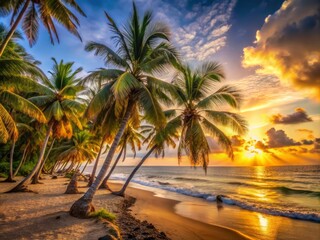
[200, 116]
[80, 148]
[48, 12]
[17, 75]
[61, 103]
[142, 49]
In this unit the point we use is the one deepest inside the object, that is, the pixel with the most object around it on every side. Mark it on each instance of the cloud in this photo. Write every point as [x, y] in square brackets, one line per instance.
[199, 28]
[237, 141]
[278, 138]
[274, 94]
[287, 46]
[306, 142]
[316, 146]
[299, 116]
[260, 145]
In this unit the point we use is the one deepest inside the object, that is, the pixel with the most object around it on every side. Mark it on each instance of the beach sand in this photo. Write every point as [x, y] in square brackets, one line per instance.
[44, 215]
[161, 212]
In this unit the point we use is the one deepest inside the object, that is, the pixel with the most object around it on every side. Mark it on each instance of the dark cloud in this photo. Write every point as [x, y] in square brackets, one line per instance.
[237, 141]
[260, 145]
[278, 138]
[306, 142]
[299, 116]
[316, 146]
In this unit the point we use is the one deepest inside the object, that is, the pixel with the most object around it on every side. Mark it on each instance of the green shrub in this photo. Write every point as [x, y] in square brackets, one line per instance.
[4, 167]
[103, 214]
[69, 174]
[26, 168]
[3, 175]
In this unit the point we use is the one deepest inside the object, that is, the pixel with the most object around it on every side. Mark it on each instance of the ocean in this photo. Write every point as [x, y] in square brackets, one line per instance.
[264, 203]
[289, 191]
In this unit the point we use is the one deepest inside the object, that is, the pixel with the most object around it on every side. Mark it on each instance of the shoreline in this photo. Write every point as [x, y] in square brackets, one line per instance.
[251, 224]
[161, 213]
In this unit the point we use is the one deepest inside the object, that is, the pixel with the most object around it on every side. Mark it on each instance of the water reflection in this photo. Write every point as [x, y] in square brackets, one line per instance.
[264, 222]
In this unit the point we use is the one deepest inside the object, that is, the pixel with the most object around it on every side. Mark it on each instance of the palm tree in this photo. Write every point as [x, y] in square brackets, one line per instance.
[142, 49]
[130, 137]
[21, 127]
[158, 139]
[61, 107]
[17, 72]
[31, 12]
[80, 148]
[200, 115]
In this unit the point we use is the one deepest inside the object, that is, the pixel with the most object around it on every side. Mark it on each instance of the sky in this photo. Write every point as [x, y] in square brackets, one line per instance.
[270, 49]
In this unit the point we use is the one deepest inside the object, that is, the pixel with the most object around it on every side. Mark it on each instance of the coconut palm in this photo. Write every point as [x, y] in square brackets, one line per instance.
[158, 140]
[21, 127]
[61, 107]
[17, 75]
[142, 49]
[80, 148]
[32, 12]
[130, 137]
[200, 115]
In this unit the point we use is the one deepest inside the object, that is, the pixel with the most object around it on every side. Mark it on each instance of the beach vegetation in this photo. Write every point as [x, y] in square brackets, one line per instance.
[103, 214]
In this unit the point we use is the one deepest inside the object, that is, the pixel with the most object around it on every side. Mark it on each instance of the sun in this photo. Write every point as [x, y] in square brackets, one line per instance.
[252, 151]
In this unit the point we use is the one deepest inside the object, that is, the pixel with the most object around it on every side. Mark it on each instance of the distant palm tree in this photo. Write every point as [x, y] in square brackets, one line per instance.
[200, 115]
[31, 12]
[143, 48]
[80, 148]
[61, 106]
[158, 140]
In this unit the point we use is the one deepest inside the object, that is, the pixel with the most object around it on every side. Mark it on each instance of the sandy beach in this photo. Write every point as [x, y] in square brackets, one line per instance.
[44, 215]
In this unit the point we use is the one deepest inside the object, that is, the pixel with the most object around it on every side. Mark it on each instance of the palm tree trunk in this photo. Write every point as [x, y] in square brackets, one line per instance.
[13, 28]
[10, 176]
[24, 155]
[22, 186]
[83, 206]
[36, 177]
[123, 189]
[62, 168]
[85, 166]
[93, 174]
[54, 167]
[104, 183]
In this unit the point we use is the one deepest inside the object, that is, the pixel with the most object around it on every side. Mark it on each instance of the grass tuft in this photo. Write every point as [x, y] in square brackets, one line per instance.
[103, 214]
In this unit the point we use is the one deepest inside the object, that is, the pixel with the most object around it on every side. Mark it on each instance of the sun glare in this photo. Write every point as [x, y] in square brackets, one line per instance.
[251, 152]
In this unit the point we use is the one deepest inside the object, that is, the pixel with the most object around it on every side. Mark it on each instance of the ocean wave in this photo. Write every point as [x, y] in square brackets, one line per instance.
[287, 190]
[191, 179]
[309, 216]
[296, 214]
[283, 189]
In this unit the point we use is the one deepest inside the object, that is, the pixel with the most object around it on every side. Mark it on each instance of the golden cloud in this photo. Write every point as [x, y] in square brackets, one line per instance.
[287, 46]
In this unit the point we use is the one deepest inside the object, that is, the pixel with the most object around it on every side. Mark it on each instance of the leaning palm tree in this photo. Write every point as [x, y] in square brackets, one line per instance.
[130, 137]
[200, 113]
[31, 12]
[158, 140]
[142, 49]
[61, 107]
